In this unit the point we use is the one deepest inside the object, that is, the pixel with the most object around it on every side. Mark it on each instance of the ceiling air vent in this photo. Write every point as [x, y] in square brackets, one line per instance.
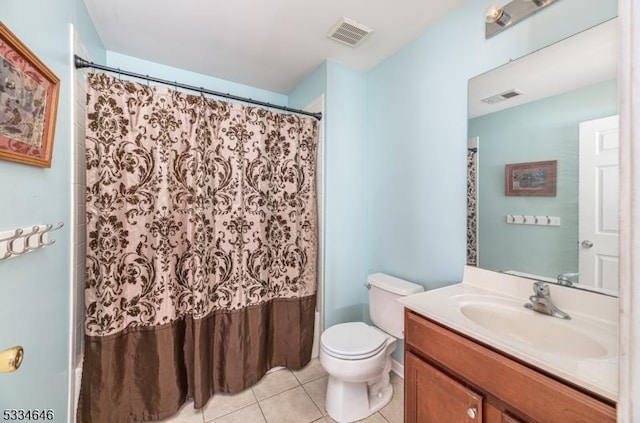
[349, 32]
[501, 97]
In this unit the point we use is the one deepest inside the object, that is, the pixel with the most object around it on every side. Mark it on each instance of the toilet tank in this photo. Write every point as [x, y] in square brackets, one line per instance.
[386, 313]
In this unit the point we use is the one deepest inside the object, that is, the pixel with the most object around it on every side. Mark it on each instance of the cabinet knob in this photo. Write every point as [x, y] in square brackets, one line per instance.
[472, 412]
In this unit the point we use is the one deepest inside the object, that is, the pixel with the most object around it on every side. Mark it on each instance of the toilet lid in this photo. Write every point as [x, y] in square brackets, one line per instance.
[353, 341]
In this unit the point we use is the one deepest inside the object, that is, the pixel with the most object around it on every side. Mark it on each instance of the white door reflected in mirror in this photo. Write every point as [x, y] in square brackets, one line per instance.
[598, 205]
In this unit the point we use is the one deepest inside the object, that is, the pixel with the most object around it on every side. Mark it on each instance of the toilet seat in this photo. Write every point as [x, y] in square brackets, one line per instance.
[352, 341]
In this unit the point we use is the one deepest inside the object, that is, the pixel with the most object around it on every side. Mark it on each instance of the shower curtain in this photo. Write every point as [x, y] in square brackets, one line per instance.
[472, 207]
[201, 248]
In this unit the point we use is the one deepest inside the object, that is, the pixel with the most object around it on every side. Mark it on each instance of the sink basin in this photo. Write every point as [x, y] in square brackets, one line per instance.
[583, 350]
[543, 332]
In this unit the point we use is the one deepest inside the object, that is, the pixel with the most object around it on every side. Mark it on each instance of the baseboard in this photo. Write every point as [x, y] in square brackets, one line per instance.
[397, 368]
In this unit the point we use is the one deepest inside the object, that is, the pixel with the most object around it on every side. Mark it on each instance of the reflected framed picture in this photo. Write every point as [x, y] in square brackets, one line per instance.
[531, 179]
[28, 103]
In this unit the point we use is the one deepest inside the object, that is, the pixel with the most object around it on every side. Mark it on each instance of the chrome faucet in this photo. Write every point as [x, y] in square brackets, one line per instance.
[568, 279]
[541, 302]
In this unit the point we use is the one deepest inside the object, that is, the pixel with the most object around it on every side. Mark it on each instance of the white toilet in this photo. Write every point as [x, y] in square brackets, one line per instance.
[357, 356]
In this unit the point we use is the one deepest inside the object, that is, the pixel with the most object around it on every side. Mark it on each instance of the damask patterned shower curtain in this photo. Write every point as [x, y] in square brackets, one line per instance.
[201, 248]
[472, 207]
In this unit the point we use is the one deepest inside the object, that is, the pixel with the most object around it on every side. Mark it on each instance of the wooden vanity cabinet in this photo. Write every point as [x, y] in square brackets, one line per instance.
[436, 397]
[450, 378]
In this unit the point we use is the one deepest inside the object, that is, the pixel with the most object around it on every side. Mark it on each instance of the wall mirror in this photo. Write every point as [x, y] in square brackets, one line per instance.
[543, 164]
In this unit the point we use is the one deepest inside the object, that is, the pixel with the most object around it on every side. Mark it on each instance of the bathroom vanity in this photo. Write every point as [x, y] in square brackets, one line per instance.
[474, 354]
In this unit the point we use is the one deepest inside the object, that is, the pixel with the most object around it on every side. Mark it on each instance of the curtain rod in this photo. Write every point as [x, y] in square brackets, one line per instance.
[82, 63]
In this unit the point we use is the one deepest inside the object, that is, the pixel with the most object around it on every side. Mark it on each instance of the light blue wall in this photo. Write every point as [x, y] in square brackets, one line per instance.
[36, 288]
[312, 87]
[547, 129]
[170, 73]
[345, 208]
[345, 215]
[417, 132]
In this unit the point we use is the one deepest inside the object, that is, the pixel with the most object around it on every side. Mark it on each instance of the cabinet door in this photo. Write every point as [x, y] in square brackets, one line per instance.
[506, 418]
[493, 414]
[433, 397]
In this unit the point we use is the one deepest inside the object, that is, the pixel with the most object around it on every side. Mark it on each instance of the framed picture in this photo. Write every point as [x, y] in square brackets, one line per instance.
[28, 103]
[531, 179]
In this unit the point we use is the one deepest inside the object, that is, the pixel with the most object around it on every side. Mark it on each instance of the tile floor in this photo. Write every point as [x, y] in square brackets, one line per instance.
[284, 396]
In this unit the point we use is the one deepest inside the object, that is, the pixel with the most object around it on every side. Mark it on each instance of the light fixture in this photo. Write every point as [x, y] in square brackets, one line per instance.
[497, 15]
[498, 18]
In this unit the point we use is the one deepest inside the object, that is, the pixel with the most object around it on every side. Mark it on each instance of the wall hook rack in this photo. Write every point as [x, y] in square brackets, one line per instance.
[24, 240]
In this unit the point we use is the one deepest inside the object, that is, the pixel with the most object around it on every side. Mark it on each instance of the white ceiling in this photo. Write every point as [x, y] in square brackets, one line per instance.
[584, 59]
[270, 44]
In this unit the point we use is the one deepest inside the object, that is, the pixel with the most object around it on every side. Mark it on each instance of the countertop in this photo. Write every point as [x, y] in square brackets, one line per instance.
[599, 374]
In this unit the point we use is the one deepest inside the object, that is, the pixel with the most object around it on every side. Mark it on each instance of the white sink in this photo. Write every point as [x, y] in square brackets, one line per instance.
[540, 331]
[489, 307]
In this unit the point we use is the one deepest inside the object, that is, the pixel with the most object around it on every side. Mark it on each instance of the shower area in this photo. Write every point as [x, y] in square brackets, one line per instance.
[198, 245]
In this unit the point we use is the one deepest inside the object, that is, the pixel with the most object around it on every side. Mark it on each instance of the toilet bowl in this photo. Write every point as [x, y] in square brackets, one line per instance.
[357, 356]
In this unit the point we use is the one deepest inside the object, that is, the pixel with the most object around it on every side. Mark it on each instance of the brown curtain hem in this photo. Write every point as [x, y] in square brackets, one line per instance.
[147, 373]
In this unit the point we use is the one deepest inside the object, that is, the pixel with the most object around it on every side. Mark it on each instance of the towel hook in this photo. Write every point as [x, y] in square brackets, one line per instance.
[9, 242]
[50, 228]
[10, 247]
[16, 233]
[27, 239]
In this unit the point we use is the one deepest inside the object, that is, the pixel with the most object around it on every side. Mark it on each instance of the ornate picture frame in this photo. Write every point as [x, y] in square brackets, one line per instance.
[531, 179]
[28, 103]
